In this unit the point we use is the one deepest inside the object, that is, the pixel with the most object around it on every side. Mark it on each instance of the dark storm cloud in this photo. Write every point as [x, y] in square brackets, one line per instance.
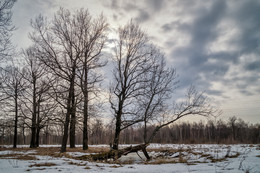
[247, 20]
[253, 66]
[194, 57]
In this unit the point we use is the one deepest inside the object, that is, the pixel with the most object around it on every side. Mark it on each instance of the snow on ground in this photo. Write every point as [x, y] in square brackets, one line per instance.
[196, 158]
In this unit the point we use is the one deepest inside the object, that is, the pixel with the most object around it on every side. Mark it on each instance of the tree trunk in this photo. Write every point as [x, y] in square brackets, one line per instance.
[37, 143]
[16, 120]
[66, 126]
[118, 125]
[73, 112]
[145, 153]
[68, 114]
[117, 133]
[34, 114]
[73, 124]
[85, 123]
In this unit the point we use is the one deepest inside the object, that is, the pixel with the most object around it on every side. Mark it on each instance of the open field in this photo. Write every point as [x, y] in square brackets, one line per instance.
[165, 158]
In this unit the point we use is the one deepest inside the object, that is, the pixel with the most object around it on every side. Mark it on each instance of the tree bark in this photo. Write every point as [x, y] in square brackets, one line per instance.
[34, 114]
[85, 123]
[67, 119]
[16, 119]
[73, 123]
[38, 129]
[118, 127]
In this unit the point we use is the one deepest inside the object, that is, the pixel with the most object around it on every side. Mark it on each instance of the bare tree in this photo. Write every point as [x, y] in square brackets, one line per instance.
[132, 61]
[36, 94]
[69, 45]
[12, 87]
[6, 27]
[92, 43]
[56, 50]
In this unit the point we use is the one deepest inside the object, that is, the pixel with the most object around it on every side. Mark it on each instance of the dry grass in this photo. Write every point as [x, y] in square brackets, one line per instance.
[26, 157]
[78, 164]
[87, 167]
[42, 164]
[115, 166]
[18, 156]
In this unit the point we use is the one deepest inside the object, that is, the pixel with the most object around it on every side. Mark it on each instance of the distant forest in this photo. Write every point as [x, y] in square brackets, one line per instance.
[232, 131]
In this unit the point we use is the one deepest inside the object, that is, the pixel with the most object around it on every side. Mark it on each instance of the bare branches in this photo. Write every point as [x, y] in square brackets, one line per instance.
[6, 27]
[195, 104]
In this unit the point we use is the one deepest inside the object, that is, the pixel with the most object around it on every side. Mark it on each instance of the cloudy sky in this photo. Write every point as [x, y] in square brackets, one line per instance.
[214, 44]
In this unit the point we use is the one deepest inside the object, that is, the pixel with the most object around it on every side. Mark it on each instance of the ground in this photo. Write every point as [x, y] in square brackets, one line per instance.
[166, 158]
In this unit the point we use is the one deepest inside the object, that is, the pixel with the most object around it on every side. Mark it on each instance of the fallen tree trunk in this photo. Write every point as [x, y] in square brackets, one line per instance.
[115, 154]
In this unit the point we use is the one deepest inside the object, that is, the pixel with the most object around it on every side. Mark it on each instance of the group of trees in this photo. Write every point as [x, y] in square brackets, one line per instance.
[58, 83]
[231, 131]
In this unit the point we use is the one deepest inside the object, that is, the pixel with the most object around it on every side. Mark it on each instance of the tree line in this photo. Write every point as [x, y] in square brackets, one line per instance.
[55, 86]
[232, 131]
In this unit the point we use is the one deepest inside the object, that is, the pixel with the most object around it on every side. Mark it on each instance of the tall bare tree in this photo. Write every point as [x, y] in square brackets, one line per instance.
[70, 46]
[132, 60]
[36, 93]
[93, 41]
[12, 87]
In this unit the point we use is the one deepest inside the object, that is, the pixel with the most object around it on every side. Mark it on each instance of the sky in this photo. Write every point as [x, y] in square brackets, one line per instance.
[214, 44]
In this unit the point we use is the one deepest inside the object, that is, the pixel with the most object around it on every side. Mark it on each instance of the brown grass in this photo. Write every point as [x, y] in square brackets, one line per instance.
[18, 156]
[87, 167]
[42, 164]
[26, 157]
[78, 164]
[115, 166]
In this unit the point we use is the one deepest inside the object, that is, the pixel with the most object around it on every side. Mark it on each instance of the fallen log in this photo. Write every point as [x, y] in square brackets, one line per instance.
[116, 154]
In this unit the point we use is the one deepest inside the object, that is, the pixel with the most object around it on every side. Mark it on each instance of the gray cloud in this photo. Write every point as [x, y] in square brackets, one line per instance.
[194, 58]
[247, 20]
[156, 5]
[253, 66]
[142, 16]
